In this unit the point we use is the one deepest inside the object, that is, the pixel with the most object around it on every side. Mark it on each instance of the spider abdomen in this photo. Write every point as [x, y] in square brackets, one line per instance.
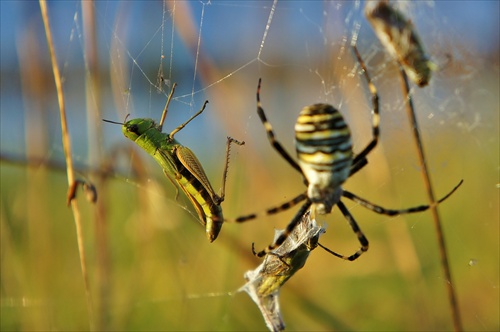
[324, 151]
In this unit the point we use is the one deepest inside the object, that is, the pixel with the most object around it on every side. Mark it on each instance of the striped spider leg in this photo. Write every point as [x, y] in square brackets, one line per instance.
[326, 161]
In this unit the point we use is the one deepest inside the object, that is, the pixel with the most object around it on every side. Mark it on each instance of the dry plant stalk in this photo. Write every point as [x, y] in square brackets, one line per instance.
[400, 38]
[457, 322]
[67, 153]
[95, 138]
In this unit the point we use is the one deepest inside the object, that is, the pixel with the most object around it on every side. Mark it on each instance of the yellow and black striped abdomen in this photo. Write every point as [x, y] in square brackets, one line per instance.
[324, 150]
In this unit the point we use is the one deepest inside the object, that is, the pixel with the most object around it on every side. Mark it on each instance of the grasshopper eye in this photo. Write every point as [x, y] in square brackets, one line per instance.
[134, 129]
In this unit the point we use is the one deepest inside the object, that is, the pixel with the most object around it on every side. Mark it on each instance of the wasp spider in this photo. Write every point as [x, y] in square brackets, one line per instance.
[326, 160]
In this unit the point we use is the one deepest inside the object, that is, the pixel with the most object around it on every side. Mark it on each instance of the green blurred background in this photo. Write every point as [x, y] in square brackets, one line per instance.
[150, 266]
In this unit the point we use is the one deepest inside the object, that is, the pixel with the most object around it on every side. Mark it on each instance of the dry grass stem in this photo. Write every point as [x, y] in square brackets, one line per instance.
[67, 153]
[432, 200]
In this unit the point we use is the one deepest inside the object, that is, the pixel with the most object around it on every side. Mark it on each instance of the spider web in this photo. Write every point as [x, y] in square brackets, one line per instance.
[217, 51]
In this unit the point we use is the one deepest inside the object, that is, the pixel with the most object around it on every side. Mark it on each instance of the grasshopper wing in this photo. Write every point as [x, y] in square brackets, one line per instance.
[189, 160]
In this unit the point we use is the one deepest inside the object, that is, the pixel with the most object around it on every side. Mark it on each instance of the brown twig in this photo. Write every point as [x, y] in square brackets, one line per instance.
[432, 200]
[95, 139]
[67, 153]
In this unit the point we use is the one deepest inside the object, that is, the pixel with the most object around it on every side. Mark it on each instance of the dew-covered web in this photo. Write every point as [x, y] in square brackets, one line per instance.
[162, 273]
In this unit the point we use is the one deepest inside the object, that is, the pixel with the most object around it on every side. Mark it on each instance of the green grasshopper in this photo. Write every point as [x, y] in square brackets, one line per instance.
[181, 166]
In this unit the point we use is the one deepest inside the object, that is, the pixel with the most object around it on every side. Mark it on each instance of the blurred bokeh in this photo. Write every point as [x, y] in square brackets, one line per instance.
[150, 266]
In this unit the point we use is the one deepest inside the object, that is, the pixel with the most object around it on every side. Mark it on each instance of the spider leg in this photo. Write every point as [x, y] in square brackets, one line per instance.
[284, 235]
[358, 166]
[390, 212]
[270, 133]
[282, 207]
[375, 112]
[355, 228]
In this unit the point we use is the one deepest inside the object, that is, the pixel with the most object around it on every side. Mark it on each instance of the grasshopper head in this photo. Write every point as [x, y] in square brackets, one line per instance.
[134, 128]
